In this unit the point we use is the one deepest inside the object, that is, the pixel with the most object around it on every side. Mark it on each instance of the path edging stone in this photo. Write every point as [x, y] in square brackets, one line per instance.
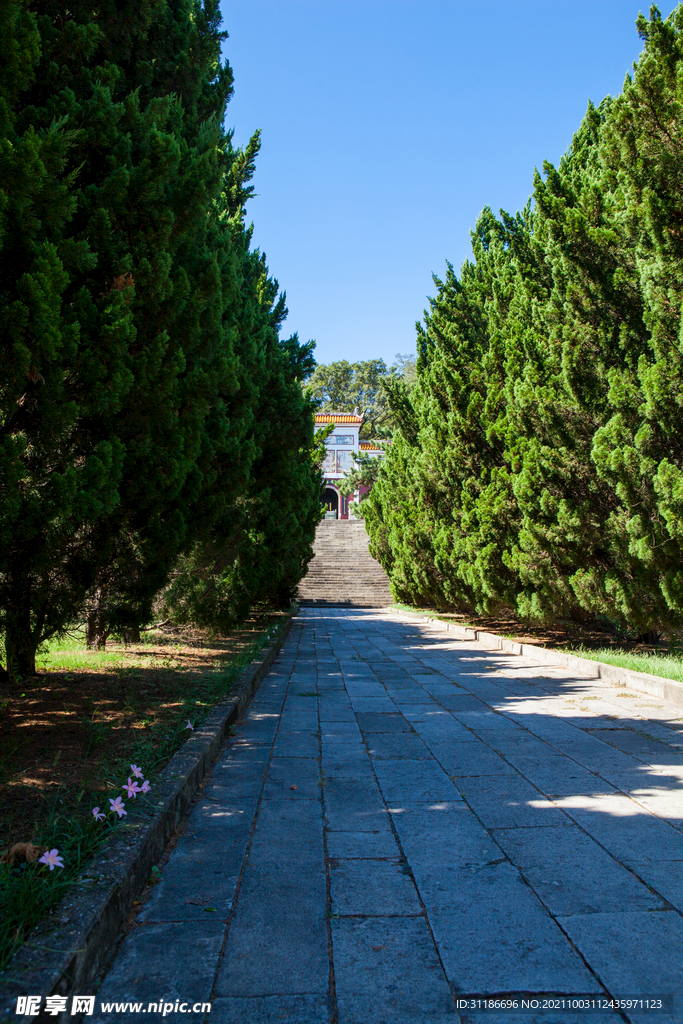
[66, 954]
[655, 686]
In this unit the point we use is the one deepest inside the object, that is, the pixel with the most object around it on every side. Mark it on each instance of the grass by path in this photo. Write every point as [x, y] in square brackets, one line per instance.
[666, 666]
[69, 736]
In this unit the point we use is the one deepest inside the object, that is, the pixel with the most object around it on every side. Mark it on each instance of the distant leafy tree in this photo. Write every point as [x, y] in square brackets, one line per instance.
[343, 387]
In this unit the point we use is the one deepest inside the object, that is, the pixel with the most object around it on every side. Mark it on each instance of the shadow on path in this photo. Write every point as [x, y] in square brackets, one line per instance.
[405, 825]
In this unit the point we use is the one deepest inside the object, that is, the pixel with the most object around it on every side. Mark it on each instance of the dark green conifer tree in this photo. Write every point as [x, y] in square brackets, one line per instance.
[544, 473]
[443, 497]
[131, 362]
[256, 555]
[638, 451]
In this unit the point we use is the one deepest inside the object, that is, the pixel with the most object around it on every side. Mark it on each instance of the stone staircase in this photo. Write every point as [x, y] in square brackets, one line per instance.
[342, 571]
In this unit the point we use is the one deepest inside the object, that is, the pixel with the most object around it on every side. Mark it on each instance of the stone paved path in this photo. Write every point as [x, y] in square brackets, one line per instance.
[403, 820]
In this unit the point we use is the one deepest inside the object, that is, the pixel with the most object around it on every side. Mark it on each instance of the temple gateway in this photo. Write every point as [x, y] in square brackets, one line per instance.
[339, 460]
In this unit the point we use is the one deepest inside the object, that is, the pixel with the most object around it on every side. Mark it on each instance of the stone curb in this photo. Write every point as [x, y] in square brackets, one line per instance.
[656, 686]
[68, 958]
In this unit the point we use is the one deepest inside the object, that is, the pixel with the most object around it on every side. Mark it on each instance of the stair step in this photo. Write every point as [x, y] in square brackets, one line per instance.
[342, 571]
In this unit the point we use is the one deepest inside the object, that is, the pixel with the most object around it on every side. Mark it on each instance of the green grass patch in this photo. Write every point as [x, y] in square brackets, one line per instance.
[664, 665]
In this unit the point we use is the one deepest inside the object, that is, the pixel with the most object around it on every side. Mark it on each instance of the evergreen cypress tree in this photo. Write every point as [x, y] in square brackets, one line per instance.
[132, 359]
[443, 502]
[544, 472]
[257, 553]
[638, 451]
[51, 485]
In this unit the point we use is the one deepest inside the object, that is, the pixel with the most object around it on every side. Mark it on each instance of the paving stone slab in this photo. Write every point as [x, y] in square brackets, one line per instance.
[571, 873]
[361, 689]
[437, 730]
[495, 936]
[338, 715]
[212, 814]
[453, 697]
[509, 801]
[372, 888]
[344, 845]
[350, 754]
[633, 954]
[387, 972]
[665, 877]
[297, 1009]
[390, 745]
[511, 739]
[153, 966]
[556, 775]
[241, 777]
[413, 781]
[301, 743]
[345, 741]
[259, 727]
[631, 741]
[292, 778]
[597, 756]
[277, 942]
[293, 722]
[379, 704]
[202, 875]
[625, 830]
[354, 805]
[374, 722]
[340, 732]
[471, 757]
[419, 707]
[439, 837]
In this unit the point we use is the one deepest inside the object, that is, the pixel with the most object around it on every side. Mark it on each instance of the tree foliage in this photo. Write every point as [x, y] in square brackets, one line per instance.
[144, 390]
[537, 463]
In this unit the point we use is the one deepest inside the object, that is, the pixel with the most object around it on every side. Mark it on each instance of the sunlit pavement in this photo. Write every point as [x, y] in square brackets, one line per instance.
[404, 822]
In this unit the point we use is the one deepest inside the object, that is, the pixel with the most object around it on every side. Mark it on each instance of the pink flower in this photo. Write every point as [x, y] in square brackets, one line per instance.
[145, 787]
[189, 725]
[117, 807]
[137, 772]
[131, 788]
[51, 859]
[97, 814]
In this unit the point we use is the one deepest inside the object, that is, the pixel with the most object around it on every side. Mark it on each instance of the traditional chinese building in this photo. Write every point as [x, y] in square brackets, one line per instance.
[341, 445]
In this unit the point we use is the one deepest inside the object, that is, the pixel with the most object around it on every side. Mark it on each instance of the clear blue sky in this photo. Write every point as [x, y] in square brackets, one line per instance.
[388, 125]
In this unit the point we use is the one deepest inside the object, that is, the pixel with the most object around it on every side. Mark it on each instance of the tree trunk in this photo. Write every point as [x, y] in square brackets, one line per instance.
[20, 644]
[131, 634]
[95, 634]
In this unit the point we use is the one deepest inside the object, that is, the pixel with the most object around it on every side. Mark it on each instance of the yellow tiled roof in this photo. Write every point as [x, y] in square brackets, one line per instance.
[337, 417]
[368, 446]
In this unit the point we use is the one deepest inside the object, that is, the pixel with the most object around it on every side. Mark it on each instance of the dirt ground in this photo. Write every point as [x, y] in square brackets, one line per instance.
[67, 734]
